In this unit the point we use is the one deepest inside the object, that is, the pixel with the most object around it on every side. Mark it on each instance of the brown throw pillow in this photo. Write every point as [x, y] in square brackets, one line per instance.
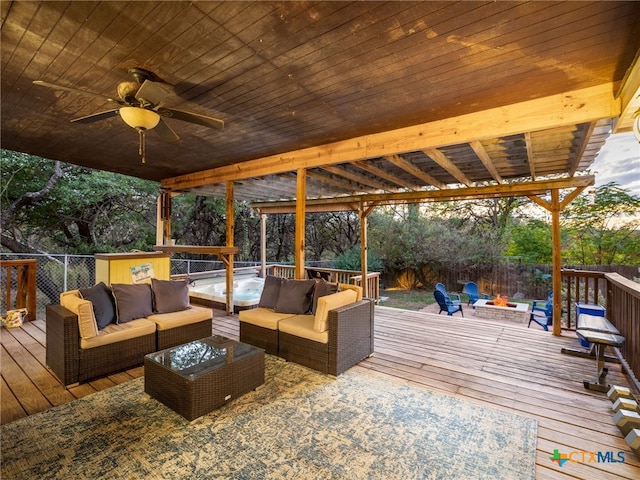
[270, 292]
[170, 295]
[103, 304]
[295, 296]
[132, 301]
[321, 289]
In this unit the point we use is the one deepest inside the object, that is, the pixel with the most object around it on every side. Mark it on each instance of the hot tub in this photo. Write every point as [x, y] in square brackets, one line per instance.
[212, 292]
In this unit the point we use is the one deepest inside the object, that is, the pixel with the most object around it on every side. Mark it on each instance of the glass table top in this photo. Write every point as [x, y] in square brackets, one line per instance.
[201, 356]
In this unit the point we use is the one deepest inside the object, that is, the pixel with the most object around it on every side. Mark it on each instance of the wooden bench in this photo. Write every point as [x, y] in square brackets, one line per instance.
[600, 333]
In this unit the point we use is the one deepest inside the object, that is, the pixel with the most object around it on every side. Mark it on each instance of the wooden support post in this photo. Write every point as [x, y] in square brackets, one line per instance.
[263, 245]
[163, 218]
[363, 214]
[230, 243]
[557, 262]
[301, 210]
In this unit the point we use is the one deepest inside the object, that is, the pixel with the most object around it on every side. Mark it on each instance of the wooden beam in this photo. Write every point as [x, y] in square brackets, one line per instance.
[336, 182]
[442, 160]
[389, 177]
[629, 95]
[530, 156]
[524, 189]
[409, 167]
[577, 155]
[361, 179]
[486, 160]
[573, 107]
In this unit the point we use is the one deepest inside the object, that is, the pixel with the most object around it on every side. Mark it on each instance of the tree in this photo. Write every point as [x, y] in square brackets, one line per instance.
[603, 229]
[50, 207]
[531, 241]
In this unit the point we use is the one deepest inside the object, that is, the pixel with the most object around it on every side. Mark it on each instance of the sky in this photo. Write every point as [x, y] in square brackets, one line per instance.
[619, 161]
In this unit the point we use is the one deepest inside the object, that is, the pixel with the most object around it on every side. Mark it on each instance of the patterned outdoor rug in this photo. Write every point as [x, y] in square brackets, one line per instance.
[300, 425]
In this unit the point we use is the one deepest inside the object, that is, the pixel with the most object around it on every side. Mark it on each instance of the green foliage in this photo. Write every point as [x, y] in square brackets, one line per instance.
[603, 230]
[531, 241]
[425, 245]
[85, 211]
[350, 260]
[63, 208]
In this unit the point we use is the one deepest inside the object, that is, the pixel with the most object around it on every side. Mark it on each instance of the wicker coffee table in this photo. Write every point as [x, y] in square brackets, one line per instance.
[197, 377]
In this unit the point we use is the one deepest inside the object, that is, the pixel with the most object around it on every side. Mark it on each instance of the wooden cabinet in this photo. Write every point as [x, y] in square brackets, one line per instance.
[134, 267]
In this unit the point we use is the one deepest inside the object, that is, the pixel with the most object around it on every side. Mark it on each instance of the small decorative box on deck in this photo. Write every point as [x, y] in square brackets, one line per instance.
[589, 309]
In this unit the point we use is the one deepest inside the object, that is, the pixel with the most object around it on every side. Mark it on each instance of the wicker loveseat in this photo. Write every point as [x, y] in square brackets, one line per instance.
[87, 338]
[334, 333]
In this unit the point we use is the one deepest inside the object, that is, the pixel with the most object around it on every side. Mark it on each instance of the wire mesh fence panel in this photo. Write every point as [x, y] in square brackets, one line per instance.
[55, 274]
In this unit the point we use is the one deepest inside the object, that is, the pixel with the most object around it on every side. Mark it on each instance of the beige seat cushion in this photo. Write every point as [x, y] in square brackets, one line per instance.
[263, 317]
[355, 288]
[302, 326]
[167, 321]
[73, 302]
[331, 302]
[113, 333]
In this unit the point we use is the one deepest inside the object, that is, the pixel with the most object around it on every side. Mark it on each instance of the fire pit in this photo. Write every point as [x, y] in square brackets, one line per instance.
[500, 309]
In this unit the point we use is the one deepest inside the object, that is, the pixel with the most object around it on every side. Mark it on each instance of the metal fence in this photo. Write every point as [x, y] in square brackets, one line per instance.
[59, 273]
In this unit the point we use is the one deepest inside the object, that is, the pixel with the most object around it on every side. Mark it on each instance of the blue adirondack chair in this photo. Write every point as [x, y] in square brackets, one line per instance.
[543, 316]
[542, 312]
[446, 305]
[473, 291]
[453, 297]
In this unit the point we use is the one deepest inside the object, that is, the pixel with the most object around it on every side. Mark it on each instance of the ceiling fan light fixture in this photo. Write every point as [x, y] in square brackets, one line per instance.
[139, 118]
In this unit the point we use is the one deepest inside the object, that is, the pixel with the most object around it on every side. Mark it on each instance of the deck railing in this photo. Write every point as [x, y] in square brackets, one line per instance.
[334, 275]
[584, 286]
[620, 297]
[20, 293]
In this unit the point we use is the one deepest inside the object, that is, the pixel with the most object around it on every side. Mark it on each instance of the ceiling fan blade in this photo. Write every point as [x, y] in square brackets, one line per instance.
[152, 93]
[192, 118]
[94, 117]
[165, 132]
[78, 91]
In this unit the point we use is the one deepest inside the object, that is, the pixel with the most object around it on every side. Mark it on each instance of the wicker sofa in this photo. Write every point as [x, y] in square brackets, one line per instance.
[333, 336]
[79, 347]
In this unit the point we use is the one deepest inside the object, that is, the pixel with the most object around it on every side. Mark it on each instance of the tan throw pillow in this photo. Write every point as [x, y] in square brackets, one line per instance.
[355, 288]
[321, 289]
[83, 309]
[331, 302]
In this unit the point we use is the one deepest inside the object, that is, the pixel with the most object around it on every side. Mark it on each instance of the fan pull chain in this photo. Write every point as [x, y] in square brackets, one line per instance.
[142, 148]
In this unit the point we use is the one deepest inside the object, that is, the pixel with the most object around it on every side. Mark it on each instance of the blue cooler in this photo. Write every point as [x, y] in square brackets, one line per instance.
[589, 309]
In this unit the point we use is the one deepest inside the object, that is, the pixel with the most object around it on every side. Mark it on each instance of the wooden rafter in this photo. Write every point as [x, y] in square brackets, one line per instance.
[334, 182]
[444, 161]
[530, 155]
[390, 177]
[409, 167]
[585, 135]
[486, 160]
[361, 179]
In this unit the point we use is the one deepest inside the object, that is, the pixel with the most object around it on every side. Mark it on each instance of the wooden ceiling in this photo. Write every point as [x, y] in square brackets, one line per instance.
[368, 97]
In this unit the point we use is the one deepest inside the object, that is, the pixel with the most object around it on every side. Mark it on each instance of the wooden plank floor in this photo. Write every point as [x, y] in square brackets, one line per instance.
[495, 364]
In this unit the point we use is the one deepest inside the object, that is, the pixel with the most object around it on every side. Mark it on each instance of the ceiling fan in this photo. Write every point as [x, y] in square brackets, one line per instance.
[139, 106]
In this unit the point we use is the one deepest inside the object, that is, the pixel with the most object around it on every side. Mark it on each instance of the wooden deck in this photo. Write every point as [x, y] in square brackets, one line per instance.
[494, 364]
